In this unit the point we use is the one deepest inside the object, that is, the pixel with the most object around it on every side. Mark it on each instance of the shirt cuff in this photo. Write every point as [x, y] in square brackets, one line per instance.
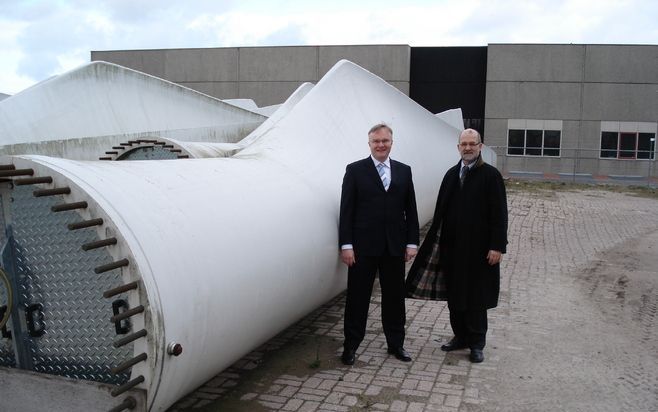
[347, 246]
[412, 246]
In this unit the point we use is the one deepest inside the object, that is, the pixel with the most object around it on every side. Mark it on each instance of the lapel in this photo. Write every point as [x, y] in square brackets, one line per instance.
[395, 175]
[453, 180]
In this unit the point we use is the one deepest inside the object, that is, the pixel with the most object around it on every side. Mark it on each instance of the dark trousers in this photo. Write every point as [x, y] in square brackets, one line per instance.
[470, 326]
[360, 279]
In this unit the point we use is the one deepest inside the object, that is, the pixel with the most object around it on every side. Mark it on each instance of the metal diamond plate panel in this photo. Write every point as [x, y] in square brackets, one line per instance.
[148, 153]
[7, 358]
[53, 271]
[2, 224]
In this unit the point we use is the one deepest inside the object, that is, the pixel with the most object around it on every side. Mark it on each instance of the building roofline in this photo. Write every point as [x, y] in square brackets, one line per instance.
[255, 47]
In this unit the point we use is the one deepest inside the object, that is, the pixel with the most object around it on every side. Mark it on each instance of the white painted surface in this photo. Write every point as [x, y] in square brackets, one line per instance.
[91, 148]
[489, 155]
[201, 150]
[267, 110]
[453, 117]
[281, 112]
[101, 99]
[247, 104]
[233, 250]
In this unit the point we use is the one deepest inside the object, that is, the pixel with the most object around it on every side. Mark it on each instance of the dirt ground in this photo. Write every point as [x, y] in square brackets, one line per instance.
[575, 329]
[593, 340]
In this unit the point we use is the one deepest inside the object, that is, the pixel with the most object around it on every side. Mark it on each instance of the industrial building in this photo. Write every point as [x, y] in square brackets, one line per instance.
[560, 109]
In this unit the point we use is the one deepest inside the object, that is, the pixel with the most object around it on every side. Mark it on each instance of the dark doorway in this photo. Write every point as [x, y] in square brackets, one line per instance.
[443, 78]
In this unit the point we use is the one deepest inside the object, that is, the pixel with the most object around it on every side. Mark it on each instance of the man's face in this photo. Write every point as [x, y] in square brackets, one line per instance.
[380, 143]
[469, 147]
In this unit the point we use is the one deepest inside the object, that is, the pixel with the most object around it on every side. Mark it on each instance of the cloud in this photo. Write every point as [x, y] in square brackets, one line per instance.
[41, 38]
[292, 34]
[573, 21]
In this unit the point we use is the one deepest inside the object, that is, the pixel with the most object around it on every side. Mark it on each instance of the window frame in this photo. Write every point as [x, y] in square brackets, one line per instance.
[651, 152]
[529, 151]
[627, 153]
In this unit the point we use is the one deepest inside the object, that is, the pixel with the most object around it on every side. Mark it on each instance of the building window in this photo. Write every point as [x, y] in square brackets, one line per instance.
[628, 145]
[552, 142]
[533, 142]
[646, 145]
[609, 142]
[515, 142]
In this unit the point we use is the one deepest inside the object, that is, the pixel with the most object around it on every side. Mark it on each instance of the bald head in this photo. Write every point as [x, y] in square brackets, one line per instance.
[470, 132]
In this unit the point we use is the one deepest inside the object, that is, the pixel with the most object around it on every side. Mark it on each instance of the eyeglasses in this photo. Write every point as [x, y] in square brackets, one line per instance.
[469, 144]
[384, 141]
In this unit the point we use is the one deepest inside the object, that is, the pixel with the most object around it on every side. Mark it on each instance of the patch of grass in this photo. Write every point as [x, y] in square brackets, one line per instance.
[517, 185]
[364, 403]
[316, 363]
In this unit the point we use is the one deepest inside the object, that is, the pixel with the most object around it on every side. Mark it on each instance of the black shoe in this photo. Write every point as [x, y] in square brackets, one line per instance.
[454, 344]
[476, 355]
[400, 353]
[348, 357]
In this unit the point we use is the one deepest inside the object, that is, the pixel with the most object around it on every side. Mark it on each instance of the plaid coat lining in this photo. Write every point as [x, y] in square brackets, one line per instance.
[429, 282]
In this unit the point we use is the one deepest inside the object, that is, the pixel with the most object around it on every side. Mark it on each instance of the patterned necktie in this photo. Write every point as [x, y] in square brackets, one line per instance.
[382, 175]
[462, 175]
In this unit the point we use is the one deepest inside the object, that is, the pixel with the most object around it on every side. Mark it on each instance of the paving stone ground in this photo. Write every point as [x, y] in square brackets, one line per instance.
[575, 329]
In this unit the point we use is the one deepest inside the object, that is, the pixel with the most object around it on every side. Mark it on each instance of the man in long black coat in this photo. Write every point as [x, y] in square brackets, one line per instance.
[378, 232]
[470, 224]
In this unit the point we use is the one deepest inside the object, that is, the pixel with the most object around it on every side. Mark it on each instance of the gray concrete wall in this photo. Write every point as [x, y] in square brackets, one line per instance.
[391, 63]
[532, 100]
[267, 75]
[621, 64]
[621, 101]
[582, 85]
[535, 63]
[201, 65]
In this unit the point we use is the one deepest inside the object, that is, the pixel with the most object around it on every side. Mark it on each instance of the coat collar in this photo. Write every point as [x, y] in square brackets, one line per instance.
[387, 162]
[478, 163]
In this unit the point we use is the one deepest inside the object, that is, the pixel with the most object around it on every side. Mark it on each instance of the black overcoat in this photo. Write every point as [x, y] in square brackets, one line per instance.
[481, 222]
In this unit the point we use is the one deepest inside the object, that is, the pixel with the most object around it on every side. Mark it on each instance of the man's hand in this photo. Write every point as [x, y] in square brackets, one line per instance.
[347, 256]
[410, 253]
[494, 257]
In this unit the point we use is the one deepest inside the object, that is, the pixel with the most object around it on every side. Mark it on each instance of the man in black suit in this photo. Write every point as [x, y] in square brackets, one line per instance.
[378, 232]
[470, 225]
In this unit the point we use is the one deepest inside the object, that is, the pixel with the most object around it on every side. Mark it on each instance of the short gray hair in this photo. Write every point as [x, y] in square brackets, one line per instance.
[378, 126]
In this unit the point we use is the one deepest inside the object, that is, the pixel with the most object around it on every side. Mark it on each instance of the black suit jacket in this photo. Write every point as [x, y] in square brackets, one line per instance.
[373, 220]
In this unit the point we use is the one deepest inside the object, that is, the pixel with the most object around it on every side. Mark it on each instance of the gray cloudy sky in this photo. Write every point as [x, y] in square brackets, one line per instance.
[41, 38]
